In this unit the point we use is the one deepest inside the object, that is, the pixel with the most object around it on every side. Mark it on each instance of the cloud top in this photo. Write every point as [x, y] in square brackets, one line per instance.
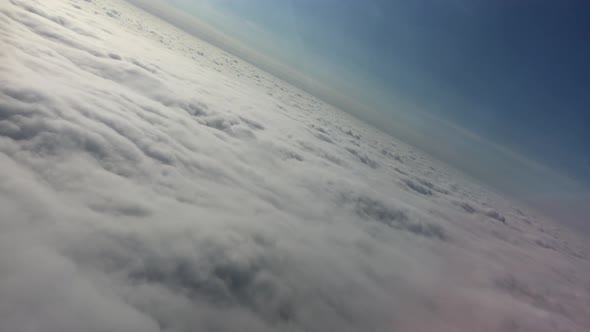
[153, 182]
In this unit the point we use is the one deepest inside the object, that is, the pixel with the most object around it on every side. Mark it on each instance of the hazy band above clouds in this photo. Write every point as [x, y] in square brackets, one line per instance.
[499, 167]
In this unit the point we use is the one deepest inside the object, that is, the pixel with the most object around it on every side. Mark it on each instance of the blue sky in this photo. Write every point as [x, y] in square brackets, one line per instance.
[514, 73]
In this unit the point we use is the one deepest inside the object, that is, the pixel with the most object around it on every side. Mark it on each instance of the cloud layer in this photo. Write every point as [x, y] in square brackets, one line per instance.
[152, 182]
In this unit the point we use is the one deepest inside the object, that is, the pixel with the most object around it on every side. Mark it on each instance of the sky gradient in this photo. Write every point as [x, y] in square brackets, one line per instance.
[512, 76]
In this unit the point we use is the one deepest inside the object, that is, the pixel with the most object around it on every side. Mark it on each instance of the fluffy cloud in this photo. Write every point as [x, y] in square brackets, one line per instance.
[152, 182]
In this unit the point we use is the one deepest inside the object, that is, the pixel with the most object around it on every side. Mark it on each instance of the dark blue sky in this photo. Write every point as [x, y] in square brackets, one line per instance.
[514, 72]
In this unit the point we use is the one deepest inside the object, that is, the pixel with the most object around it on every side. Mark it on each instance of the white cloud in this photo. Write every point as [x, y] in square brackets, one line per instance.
[152, 182]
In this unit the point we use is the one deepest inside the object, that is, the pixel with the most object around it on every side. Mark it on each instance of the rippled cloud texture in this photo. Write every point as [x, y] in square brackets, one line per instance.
[153, 182]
